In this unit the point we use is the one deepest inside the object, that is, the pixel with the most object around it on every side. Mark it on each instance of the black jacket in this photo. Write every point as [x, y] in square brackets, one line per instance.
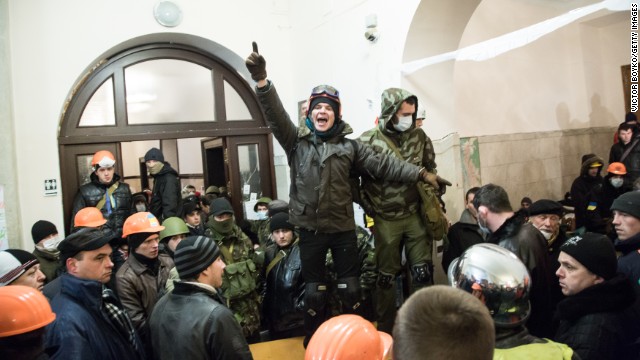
[166, 200]
[582, 190]
[591, 322]
[283, 303]
[461, 235]
[524, 240]
[191, 323]
[90, 194]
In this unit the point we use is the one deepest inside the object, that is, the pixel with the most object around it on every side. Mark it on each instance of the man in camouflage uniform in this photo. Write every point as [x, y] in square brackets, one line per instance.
[243, 266]
[260, 227]
[394, 206]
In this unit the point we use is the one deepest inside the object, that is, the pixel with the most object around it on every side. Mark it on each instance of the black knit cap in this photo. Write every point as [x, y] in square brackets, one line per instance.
[194, 254]
[154, 154]
[629, 203]
[322, 99]
[280, 221]
[41, 229]
[221, 206]
[593, 251]
[546, 206]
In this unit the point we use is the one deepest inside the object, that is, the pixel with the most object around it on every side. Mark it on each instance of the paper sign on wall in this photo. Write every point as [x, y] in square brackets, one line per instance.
[50, 187]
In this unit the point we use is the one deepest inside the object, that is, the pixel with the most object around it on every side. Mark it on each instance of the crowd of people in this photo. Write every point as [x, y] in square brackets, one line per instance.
[171, 273]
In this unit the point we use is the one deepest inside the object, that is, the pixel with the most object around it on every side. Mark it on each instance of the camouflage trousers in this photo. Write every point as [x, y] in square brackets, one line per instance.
[390, 237]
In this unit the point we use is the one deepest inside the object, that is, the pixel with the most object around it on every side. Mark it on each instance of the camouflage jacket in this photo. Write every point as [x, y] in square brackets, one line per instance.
[246, 309]
[388, 199]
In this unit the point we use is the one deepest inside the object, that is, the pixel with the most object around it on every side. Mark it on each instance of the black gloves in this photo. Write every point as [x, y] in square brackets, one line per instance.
[256, 64]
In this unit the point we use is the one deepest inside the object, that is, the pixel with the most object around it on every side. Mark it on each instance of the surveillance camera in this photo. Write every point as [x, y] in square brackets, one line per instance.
[372, 35]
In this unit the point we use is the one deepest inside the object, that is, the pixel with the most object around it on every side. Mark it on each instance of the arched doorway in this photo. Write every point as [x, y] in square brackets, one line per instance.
[187, 96]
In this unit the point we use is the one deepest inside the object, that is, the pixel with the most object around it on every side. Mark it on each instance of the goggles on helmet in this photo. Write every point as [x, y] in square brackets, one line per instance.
[325, 89]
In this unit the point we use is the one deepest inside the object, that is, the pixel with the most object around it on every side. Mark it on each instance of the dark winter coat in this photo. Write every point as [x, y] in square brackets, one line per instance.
[82, 329]
[166, 199]
[461, 235]
[320, 195]
[139, 290]
[191, 323]
[582, 190]
[283, 303]
[524, 240]
[91, 193]
[591, 322]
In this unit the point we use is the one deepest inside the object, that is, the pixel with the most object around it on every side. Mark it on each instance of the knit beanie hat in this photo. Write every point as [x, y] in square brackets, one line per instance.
[137, 239]
[41, 229]
[220, 206]
[280, 221]
[13, 263]
[154, 154]
[194, 254]
[593, 251]
[334, 105]
[628, 203]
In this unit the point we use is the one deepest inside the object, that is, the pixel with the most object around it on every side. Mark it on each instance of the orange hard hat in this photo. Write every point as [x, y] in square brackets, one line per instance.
[617, 168]
[89, 217]
[142, 222]
[24, 309]
[103, 158]
[348, 337]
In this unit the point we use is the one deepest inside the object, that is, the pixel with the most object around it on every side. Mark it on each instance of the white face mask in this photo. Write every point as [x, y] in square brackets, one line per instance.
[616, 182]
[483, 227]
[404, 123]
[262, 215]
[51, 244]
[141, 207]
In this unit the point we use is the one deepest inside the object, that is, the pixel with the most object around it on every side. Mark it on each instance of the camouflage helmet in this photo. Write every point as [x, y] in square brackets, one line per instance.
[212, 190]
[173, 226]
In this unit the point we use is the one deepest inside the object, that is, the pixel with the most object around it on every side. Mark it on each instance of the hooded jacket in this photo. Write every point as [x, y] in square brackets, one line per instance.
[92, 192]
[166, 199]
[393, 200]
[320, 195]
[583, 187]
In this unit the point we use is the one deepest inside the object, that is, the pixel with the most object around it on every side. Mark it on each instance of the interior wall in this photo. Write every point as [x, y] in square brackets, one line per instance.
[10, 224]
[48, 45]
[520, 104]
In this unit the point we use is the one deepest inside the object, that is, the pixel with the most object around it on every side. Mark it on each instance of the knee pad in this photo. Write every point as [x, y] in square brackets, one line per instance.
[349, 292]
[315, 297]
[385, 281]
[421, 274]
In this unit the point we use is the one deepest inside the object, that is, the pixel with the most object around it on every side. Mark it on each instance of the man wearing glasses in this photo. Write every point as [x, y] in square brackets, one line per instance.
[321, 160]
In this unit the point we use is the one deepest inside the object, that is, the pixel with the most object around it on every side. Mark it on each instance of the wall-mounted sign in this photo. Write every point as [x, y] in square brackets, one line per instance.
[50, 187]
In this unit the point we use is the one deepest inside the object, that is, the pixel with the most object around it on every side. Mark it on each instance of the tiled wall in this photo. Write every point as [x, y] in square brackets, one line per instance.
[538, 165]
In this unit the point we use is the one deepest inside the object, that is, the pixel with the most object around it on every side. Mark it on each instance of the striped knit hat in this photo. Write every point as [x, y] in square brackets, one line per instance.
[13, 263]
[194, 254]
